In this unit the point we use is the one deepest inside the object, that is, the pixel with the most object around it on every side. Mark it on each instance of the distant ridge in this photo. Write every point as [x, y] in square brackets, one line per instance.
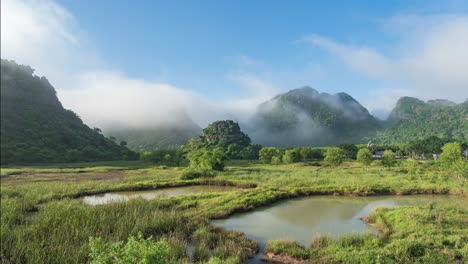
[304, 116]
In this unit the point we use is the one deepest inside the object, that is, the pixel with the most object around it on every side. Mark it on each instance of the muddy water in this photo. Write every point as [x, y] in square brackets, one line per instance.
[303, 219]
[113, 197]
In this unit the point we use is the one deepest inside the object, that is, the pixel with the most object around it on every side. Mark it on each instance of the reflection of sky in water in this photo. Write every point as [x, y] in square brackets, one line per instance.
[302, 219]
[167, 192]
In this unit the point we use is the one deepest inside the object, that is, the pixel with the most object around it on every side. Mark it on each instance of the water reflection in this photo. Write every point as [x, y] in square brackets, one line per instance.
[152, 194]
[302, 219]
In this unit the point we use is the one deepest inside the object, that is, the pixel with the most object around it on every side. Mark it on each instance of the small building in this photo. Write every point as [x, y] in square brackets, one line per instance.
[377, 154]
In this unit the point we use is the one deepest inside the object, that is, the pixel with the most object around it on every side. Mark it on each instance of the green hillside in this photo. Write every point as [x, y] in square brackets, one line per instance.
[36, 128]
[149, 139]
[413, 119]
[306, 117]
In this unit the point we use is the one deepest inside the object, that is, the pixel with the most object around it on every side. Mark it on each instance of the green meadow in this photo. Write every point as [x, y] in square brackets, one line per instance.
[43, 219]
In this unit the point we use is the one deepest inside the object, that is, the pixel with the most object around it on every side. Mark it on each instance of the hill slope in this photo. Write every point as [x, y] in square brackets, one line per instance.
[160, 137]
[413, 119]
[306, 117]
[36, 128]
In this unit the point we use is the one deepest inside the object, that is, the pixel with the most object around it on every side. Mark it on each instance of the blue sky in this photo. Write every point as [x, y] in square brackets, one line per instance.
[195, 44]
[238, 53]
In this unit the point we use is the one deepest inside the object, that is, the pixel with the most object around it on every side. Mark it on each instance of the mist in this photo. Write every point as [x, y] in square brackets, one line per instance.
[48, 37]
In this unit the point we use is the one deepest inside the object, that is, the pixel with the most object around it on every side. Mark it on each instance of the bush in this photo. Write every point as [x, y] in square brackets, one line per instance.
[266, 154]
[411, 165]
[190, 174]
[275, 160]
[204, 159]
[334, 156]
[388, 159]
[291, 156]
[364, 156]
[451, 153]
[350, 150]
[136, 250]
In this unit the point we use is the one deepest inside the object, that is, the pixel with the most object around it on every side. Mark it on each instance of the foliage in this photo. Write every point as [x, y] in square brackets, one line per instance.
[137, 250]
[222, 134]
[35, 128]
[161, 137]
[267, 154]
[430, 145]
[204, 159]
[350, 150]
[364, 156]
[451, 153]
[460, 168]
[170, 157]
[190, 174]
[291, 156]
[412, 165]
[388, 159]
[334, 155]
[413, 119]
[226, 136]
[308, 153]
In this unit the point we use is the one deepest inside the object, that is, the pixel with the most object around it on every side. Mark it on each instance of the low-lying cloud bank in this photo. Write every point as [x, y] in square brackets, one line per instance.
[430, 60]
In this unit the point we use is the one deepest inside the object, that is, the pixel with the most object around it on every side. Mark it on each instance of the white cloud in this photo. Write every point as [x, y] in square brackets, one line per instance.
[47, 37]
[431, 60]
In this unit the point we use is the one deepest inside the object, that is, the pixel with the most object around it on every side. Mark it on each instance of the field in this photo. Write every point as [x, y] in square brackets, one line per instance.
[42, 221]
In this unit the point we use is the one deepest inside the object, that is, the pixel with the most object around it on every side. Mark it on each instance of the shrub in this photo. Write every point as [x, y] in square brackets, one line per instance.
[190, 174]
[204, 159]
[388, 159]
[291, 156]
[451, 153]
[334, 156]
[275, 160]
[136, 250]
[266, 154]
[411, 165]
[364, 156]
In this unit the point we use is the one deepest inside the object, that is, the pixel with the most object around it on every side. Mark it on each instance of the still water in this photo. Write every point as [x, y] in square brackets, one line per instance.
[303, 219]
[113, 197]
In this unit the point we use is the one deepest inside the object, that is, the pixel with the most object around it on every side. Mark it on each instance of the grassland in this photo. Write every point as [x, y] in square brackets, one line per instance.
[42, 220]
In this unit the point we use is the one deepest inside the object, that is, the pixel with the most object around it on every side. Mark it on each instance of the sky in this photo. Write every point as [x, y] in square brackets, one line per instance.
[133, 63]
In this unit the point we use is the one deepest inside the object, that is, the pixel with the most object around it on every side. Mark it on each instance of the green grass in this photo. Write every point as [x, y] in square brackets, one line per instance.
[41, 222]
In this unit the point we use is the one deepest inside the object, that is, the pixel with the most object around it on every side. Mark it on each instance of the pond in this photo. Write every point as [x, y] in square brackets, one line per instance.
[303, 219]
[113, 197]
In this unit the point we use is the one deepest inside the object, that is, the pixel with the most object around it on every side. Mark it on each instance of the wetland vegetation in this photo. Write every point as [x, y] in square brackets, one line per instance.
[43, 221]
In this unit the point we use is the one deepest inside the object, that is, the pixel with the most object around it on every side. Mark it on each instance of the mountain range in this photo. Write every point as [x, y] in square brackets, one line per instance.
[36, 127]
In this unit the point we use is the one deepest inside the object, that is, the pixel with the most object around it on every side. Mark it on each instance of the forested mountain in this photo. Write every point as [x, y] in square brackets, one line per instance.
[160, 137]
[36, 128]
[413, 119]
[306, 117]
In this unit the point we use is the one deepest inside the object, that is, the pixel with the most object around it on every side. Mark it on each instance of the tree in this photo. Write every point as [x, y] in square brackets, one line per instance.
[412, 165]
[451, 153]
[291, 156]
[224, 133]
[350, 150]
[204, 159]
[364, 156]
[305, 153]
[334, 155]
[267, 153]
[388, 159]
[275, 160]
